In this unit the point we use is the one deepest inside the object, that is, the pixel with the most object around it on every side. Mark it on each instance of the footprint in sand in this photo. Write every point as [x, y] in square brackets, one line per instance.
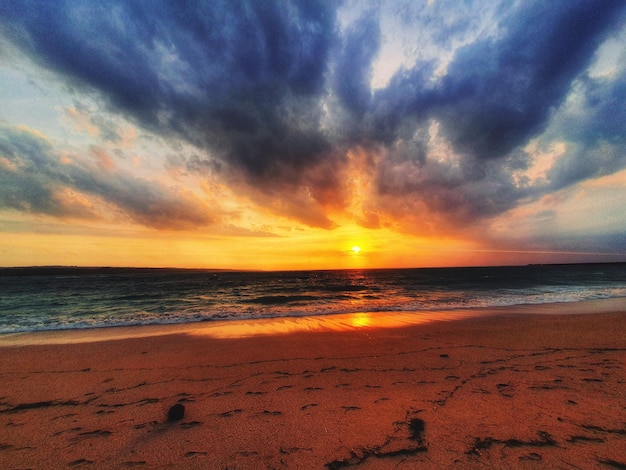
[90, 434]
[506, 390]
[192, 454]
[532, 456]
[190, 424]
[143, 425]
[228, 414]
[79, 463]
[350, 408]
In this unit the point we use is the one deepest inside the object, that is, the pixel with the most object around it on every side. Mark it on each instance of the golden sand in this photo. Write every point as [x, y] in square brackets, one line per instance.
[506, 389]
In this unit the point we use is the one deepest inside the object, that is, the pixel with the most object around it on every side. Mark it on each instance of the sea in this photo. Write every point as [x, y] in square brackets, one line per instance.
[61, 298]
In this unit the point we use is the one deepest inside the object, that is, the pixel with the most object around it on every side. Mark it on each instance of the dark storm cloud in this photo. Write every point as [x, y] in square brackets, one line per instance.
[597, 131]
[498, 92]
[34, 179]
[237, 77]
[25, 185]
[276, 92]
[353, 73]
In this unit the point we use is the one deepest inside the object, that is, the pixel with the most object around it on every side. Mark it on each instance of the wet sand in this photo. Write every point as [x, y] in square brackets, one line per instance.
[507, 389]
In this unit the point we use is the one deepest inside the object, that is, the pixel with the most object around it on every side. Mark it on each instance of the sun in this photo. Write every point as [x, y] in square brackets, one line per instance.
[356, 249]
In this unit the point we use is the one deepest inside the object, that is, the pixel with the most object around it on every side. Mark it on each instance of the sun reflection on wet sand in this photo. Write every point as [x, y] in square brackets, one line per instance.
[241, 328]
[286, 325]
[360, 320]
[373, 320]
[343, 322]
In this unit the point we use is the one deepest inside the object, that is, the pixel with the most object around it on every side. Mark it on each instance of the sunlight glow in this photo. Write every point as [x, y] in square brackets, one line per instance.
[361, 320]
[356, 249]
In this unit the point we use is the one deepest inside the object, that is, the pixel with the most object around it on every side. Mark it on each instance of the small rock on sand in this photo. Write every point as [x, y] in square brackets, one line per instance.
[176, 412]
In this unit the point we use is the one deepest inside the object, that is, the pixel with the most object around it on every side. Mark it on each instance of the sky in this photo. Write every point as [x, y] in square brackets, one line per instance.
[312, 134]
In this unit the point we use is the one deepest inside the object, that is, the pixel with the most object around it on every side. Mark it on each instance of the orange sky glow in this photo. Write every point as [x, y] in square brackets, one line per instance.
[415, 131]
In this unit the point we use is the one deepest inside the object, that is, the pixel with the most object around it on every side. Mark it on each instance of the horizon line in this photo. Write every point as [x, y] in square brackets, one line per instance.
[4, 269]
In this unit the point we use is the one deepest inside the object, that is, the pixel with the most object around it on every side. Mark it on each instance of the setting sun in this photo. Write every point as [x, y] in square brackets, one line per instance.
[353, 154]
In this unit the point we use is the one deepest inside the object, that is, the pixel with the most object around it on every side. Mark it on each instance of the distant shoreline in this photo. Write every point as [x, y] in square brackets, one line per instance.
[86, 270]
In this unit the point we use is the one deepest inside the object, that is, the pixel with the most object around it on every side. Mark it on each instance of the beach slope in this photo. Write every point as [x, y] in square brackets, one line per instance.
[506, 391]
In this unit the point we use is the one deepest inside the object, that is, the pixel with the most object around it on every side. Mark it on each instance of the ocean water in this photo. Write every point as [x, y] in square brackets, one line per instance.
[67, 298]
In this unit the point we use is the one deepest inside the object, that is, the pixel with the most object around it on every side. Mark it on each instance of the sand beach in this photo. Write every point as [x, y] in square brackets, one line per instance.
[532, 387]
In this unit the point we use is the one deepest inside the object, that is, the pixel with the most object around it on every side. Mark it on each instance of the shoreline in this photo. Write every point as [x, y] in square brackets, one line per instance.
[510, 390]
[286, 325]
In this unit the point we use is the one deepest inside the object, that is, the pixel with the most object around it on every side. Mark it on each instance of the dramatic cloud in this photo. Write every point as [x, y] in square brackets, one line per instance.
[35, 179]
[499, 92]
[496, 96]
[494, 105]
[237, 77]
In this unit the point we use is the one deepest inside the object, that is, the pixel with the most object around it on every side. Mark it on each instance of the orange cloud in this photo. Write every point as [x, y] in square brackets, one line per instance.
[103, 159]
[81, 121]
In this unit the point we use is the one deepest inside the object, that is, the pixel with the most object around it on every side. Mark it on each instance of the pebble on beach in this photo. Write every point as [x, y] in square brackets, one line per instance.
[176, 412]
